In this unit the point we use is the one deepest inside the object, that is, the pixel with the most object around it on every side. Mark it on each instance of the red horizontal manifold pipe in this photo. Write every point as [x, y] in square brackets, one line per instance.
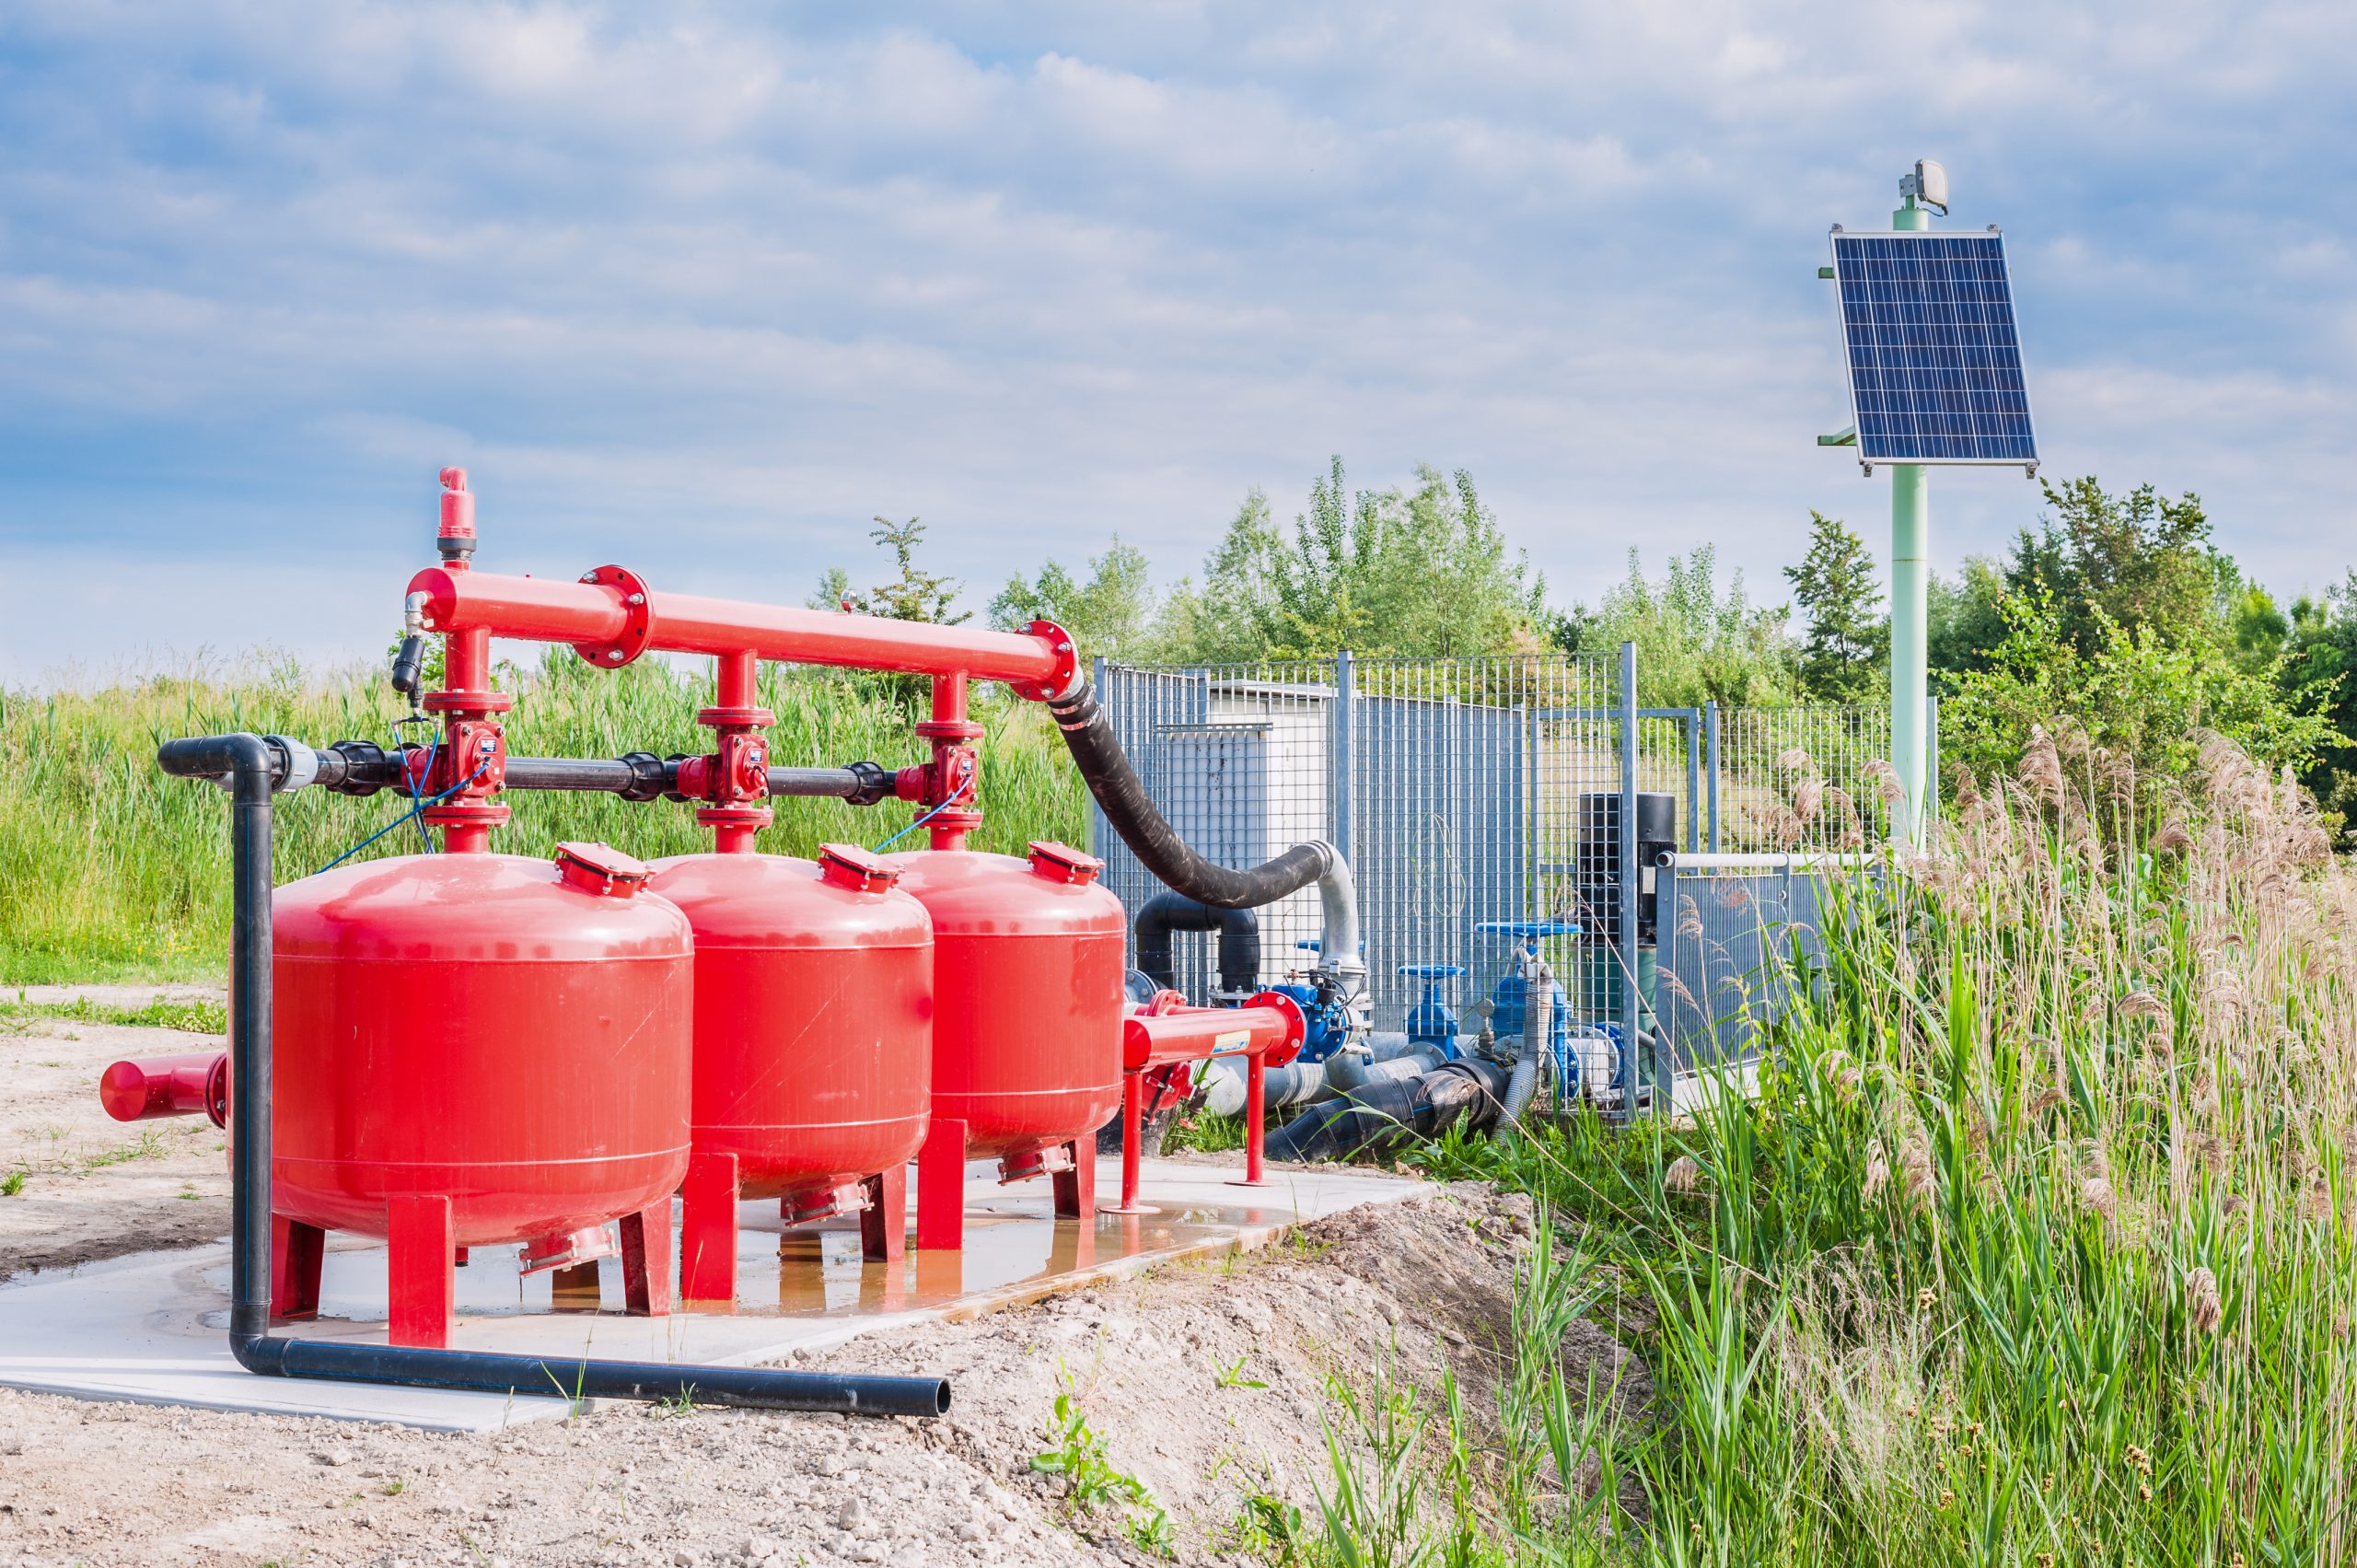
[1261, 1028]
[1267, 1031]
[547, 610]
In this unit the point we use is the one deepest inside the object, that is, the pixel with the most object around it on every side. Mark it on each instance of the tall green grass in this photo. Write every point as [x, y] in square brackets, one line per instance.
[2038, 1247]
[109, 869]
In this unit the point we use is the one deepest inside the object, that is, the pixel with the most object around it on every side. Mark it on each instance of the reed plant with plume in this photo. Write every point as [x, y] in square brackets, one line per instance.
[2038, 1245]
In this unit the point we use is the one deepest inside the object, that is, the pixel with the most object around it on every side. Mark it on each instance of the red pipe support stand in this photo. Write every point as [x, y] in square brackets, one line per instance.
[1267, 1030]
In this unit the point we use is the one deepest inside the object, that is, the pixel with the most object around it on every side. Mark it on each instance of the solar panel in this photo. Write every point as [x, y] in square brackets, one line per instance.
[1936, 368]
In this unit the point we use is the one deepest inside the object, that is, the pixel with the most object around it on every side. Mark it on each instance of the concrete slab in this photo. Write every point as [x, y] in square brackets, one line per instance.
[152, 1328]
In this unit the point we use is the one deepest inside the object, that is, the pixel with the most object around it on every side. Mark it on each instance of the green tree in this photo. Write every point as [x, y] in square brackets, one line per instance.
[2133, 561]
[2142, 697]
[915, 595]
[1112, 614]
[1964, 618]
[1839, 660]
[1695, 642]
[1419, 571]
[2318, 670]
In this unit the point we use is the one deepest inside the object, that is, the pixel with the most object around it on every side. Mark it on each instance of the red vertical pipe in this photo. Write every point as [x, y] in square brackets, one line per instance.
[471, 764]
[736, 773]
[732, 680]
[954, 782]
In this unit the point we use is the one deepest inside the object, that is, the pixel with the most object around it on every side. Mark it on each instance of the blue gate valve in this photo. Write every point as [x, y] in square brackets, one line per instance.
[1433, 1021]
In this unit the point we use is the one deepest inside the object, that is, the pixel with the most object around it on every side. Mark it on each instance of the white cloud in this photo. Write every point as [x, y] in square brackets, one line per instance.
[703, 288]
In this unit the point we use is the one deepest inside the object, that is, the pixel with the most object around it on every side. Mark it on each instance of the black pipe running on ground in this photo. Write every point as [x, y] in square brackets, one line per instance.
[1168, 911]
[1122, 797]
[1387, 1114]
[256, 766]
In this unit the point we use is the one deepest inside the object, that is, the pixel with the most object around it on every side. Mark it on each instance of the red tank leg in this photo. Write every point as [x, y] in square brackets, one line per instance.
[297, 1251]
[884, 1224]
[646, 1260]
[1076, 1188]
[708, 1233]
[941, 1188]
[418, 1245]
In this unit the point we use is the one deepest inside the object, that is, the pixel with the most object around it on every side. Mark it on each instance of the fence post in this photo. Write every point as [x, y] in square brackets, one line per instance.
[1691, 724]
[1101, 831]
[1344, 785]
[1625, 957]
[1931, 812]
[1711, 765]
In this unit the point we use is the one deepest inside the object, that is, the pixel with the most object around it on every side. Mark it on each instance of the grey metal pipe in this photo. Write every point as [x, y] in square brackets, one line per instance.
[1297, 1082]
[1538, 1027]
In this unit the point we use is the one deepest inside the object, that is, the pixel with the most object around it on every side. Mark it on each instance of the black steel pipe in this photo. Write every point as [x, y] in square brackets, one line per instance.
[1167, 911]
[862, 783]
[256, 768]
[362, 767]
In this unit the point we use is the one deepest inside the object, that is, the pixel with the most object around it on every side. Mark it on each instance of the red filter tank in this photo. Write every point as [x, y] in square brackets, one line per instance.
[813, 1043]
[474, 1050]
[1027, 1012]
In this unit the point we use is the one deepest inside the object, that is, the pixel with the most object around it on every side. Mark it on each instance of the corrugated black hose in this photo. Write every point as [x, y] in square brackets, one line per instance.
[1121, 795]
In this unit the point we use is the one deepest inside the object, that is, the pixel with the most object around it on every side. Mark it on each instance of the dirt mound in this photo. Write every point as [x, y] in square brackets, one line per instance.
[1207, 1382]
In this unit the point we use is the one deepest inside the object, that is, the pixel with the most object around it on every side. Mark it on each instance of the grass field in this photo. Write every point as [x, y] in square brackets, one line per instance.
[110, 870]
[2039, 1248]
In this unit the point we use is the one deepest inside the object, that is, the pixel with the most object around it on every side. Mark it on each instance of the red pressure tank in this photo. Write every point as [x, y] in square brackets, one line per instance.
[477, 1049]
[813, 1043]
[1027, 1012]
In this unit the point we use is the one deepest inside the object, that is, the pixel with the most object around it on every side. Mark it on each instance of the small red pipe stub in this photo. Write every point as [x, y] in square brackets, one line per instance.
[638, 619]
[168, 1086]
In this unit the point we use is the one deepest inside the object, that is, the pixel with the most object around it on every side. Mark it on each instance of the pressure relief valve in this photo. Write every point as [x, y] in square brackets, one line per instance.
[408, 664]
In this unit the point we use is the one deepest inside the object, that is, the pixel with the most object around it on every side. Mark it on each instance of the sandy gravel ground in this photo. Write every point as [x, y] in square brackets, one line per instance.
[95, 1186]
[1207, 1382]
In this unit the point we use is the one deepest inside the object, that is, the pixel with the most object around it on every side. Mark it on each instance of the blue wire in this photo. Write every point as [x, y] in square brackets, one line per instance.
[406, 816]
[418, 804]
[921, 821]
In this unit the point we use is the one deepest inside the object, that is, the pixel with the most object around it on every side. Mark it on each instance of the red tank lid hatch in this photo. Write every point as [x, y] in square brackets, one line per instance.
[850, 867]
[601, 869]
[1062, 863]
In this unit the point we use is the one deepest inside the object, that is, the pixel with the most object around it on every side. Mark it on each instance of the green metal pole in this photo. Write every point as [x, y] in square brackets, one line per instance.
[1910, 540]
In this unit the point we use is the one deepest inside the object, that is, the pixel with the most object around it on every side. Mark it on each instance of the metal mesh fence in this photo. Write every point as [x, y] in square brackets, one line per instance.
[1732, 943]
[1466, 793]
[1805, 777]
[1453, 786]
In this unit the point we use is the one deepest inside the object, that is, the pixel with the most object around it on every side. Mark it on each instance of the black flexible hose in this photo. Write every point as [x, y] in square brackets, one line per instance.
[1122, 797]
[252, 763]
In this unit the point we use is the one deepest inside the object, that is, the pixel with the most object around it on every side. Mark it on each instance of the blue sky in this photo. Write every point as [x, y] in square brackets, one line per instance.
[700, 288]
